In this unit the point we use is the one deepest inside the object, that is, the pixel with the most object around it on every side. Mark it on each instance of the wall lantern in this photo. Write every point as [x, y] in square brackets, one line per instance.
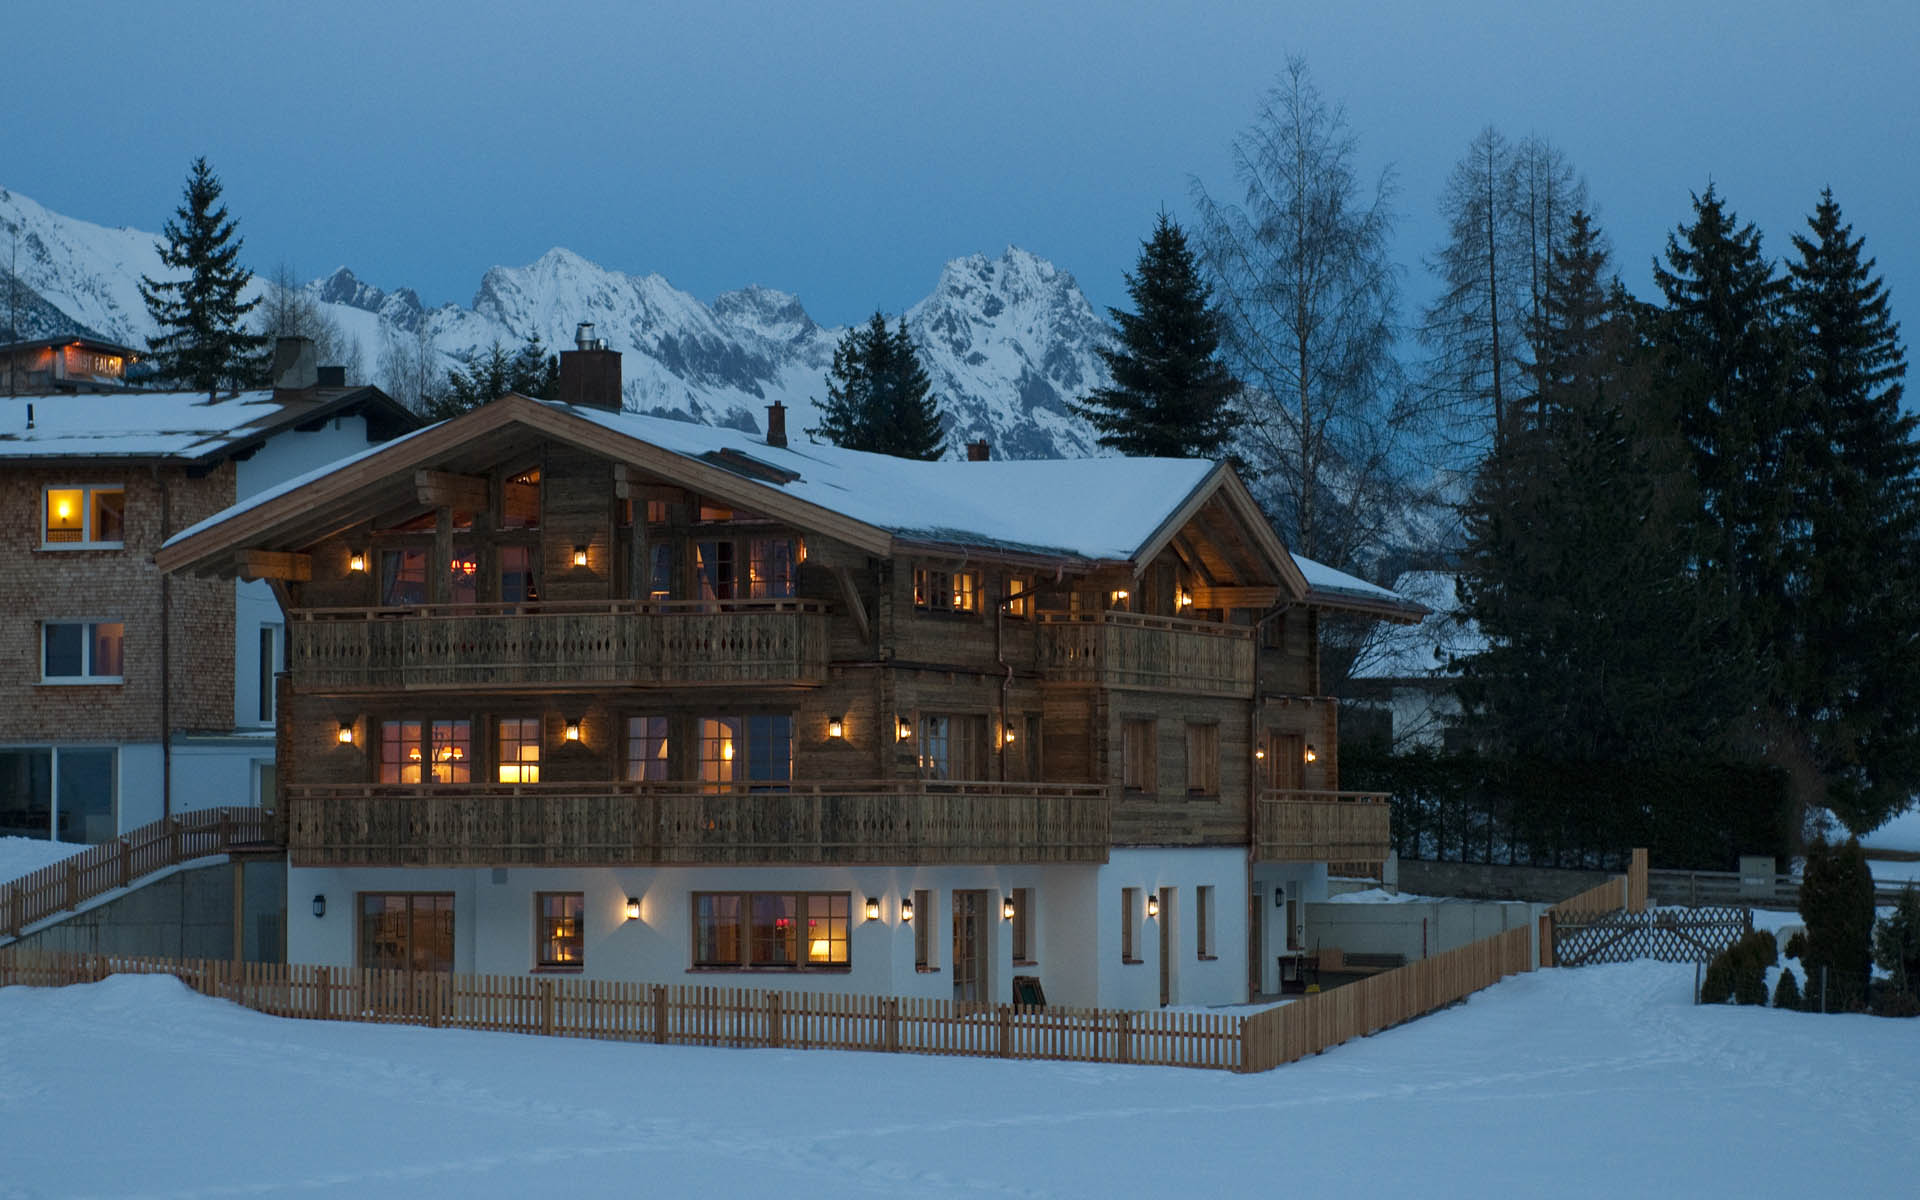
[1006, 909]
[1153, 906]
[873, 908]
[579, 556]
[1120, 598]
[1006, 736]
[1186, 599]
[836, 728]
[906, 910]
[633, 908]
[345, 735]
[1260, 752]
[320, 905]
[1311, 754]
[903, 730]
[356, 562]
[572, 731]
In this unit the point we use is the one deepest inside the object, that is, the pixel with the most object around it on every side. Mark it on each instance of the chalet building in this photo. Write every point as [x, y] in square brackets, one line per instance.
[126, 695]
[575, 690]
[64, 364]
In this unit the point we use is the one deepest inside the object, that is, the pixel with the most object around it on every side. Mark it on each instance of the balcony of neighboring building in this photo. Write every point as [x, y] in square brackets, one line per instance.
[689, 823]
[1131, 650]
[1351, 830]
[544, 644]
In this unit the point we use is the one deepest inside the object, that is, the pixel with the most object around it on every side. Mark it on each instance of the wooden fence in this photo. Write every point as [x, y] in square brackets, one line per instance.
[1627, 892]
[98, 869]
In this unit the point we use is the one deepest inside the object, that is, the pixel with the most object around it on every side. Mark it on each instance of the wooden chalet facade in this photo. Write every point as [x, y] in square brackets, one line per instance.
[575, 690]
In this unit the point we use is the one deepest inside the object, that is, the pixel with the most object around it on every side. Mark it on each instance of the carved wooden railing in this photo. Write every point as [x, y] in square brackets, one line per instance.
[96, 870]
[506, 645]
[1343, 829]
[1132, 651]
[620, 823]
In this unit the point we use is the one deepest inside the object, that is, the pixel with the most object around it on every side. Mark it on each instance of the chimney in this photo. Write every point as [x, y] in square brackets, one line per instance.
[331, 377]
[978, 451]
[590, 374]
[777, 424]
[293, 364]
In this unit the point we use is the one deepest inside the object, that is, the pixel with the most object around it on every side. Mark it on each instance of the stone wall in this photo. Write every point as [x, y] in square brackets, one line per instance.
[188, 914]
[1485, 881]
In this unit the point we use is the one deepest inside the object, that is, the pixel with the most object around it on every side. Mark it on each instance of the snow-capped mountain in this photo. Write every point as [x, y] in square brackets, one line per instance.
[1007, 341]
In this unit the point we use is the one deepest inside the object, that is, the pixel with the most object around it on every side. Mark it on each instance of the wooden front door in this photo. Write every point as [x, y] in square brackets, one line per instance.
[969, 946]
[1167, 919]
[1287, 763]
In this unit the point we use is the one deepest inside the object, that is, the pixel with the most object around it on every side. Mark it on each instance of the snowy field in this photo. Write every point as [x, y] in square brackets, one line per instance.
[1596, 1082]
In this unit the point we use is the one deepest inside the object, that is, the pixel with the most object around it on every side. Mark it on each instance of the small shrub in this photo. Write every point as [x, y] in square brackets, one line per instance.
[1786, 993]
[1836, 902]
[1896, 942]
[1750, 986]
[1758, 949]
[1717, 987]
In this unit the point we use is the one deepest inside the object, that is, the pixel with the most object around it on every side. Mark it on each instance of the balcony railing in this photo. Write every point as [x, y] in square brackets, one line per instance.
[1132, 651]
[1344, 829]
[632, 824]
[512, 645]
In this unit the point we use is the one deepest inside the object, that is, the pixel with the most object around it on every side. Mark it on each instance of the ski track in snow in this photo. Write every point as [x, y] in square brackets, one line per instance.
[1592, 1082]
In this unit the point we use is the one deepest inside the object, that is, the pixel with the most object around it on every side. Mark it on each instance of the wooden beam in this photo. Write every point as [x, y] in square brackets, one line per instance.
[273, 564]
[855, 607]
[1236, 597]
[442, 489]
[1190, 554]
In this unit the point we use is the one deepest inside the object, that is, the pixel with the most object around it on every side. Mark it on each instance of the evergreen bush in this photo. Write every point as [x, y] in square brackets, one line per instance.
[1717, 986]
[1797, 944]
[1836, 902]
[1896, 943]
[1786, 993]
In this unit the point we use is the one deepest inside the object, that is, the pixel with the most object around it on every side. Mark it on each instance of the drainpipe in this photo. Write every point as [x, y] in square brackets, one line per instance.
[166, 657]
[1006, 681]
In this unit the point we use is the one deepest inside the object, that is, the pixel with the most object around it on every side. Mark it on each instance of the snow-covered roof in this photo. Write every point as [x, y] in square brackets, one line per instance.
[155, 425]
[1420, 651]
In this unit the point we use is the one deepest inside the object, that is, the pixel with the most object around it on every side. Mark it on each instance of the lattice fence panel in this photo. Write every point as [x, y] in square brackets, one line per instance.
[1662, 934]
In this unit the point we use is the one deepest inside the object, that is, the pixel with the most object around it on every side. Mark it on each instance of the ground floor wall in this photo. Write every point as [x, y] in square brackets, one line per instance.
[1415, 929]
[190, 913]
[1067, 925]
[87, 792]
[1281, 937]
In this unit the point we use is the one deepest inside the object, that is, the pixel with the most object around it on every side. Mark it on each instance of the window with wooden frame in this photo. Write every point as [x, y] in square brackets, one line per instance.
[936, 590]
[519, 576]
[1203, 758]
[1139, 759]
[559, 931]
[953, 745]
[1023, 927]
[926, 920]
[1019, 597]
[517, 743]
[84, 516]
[465, 573]
[1129, 914]
[426, 751]
[403, 577]
[792, 931]
[1203, 921]
[269, 668]
[406, 931]
[82, 651]
[713, 569]
[770, 568]
[520, 501]
[757, 750]
[647, 746]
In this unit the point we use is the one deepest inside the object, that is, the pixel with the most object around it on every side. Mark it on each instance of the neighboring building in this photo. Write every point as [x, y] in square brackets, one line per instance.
[125, 694]
[64, 364]
[573, 690]
[1403, 690]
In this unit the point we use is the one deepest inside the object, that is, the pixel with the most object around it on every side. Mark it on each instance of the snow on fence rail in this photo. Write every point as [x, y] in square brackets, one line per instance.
[73, 881]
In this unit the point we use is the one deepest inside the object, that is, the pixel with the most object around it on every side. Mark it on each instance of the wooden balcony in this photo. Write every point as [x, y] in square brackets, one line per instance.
[647, 824]
[1126, 650]
[1350, 830]
[521, 645]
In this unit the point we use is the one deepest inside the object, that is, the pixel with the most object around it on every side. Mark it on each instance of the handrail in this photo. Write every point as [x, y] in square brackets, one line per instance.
[1297, 795]
[1145, 621]
[747, 788]
[533, 608]
[96, 870]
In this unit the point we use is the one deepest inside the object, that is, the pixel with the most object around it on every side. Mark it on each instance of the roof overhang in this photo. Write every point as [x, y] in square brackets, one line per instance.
[1223, 483]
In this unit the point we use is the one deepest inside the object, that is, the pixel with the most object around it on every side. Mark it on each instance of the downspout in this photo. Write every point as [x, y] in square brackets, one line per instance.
[166, 657]
[1006, 680]
[1258, 971]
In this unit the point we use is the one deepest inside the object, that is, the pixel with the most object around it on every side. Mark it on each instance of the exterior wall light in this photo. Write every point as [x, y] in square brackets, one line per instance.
[572, 731]
[1006, 909]
[1006, 736]
[836, 727]
[320, 904]
[579, 556]
[906, 909]
[873, 908]
[1260, 752]
[1120, 598]
[903, 730]
[633, 908]
[1186, 599]
[1153, 906]
[345, 734]
[356, 563]
[1311, 755]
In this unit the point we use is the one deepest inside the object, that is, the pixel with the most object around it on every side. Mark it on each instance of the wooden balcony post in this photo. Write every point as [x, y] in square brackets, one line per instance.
[776, 1023]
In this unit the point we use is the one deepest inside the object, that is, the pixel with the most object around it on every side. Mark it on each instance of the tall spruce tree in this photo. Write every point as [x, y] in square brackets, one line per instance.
[492, 373]
[879, 397]
[1854, 659]
[1171, 397]
[203, 342]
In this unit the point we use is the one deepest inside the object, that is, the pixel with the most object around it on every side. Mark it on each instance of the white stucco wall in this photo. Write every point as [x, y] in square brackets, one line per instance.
[1273, 885]
[1220, 980]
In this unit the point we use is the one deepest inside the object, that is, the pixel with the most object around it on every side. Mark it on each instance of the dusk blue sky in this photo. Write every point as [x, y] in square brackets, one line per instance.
[845, 152]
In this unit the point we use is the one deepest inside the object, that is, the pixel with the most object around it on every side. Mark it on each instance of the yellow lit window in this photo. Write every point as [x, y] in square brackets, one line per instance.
[94, 516]
[519, 754]
[560, 921]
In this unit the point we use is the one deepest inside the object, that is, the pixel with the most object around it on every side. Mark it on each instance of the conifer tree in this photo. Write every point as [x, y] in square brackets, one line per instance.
[492, 373]
[1171, 397]
[203, 341]
[1854, 660]
[879, 396]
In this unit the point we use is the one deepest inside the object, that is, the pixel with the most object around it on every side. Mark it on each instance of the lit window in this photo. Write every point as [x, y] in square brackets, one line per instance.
[452, 755]
[1019, 597]
[82, 651]
[1023, 926]
[713, 569]
[403, 577]
[519, 750]
[466, 577]
[757, 750]
[946, 591]
[448, 752]
[520, 501]
[400, 752]
[85, 516]
[772, 930]
[646, 748]
[560, 930]
[517, 581]
[770, 568]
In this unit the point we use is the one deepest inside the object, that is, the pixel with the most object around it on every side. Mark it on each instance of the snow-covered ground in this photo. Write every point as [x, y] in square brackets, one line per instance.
[1603, 1081]
[23, 856]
